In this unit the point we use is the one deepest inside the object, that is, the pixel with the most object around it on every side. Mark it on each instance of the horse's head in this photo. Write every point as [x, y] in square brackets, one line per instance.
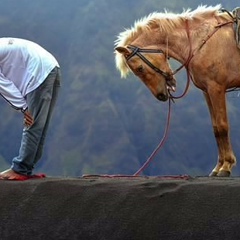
[152, 67]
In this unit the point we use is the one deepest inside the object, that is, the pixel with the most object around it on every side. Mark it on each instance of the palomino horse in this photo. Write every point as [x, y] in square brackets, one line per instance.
[203, 41]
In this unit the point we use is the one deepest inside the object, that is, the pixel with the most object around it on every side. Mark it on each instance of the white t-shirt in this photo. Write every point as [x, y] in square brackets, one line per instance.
[24, 65]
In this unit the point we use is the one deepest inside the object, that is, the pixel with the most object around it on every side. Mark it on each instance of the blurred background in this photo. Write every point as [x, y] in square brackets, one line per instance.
[103, 124]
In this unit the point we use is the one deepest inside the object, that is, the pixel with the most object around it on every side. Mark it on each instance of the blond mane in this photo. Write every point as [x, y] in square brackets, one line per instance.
[166, 21]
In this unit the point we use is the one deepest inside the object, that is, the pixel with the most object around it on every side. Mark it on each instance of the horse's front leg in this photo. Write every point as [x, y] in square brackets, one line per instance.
[216, 100]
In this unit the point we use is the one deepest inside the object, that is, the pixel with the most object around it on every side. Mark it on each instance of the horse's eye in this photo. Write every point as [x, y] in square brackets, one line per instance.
[140, 69]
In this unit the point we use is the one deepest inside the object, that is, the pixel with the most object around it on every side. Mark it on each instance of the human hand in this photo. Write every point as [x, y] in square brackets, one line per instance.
[28, 119]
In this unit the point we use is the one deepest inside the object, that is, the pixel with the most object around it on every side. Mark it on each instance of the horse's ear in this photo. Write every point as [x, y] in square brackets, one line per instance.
[123, 50]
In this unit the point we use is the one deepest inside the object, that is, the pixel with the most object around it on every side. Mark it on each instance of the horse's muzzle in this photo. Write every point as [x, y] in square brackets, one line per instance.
[162, 97]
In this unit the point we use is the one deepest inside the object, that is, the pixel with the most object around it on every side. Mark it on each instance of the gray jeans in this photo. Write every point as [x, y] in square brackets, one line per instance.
[41, 103]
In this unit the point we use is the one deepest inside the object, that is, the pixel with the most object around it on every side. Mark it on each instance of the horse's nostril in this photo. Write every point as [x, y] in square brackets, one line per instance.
[162, 97]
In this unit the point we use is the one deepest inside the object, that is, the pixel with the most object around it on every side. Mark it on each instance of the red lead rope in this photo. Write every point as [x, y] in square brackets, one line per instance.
[150, 158]
[160, 144]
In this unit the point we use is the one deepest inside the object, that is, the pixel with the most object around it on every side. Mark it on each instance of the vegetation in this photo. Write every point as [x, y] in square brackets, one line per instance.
[102, 124]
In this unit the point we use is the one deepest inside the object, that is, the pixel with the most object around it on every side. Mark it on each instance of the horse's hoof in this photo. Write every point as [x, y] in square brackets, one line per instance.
[213, 174]
[224, 173]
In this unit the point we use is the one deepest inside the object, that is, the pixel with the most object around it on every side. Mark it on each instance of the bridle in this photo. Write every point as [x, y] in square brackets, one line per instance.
[168, 76]
[137, 51]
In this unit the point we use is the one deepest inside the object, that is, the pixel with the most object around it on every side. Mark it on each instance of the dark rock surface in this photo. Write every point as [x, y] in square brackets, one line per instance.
[123, 208]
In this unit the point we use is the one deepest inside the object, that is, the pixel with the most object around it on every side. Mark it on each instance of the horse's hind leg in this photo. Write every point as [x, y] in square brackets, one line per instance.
[216, 101]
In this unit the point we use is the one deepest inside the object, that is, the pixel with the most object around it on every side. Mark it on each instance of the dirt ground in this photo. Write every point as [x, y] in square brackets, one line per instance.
[123, 208]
